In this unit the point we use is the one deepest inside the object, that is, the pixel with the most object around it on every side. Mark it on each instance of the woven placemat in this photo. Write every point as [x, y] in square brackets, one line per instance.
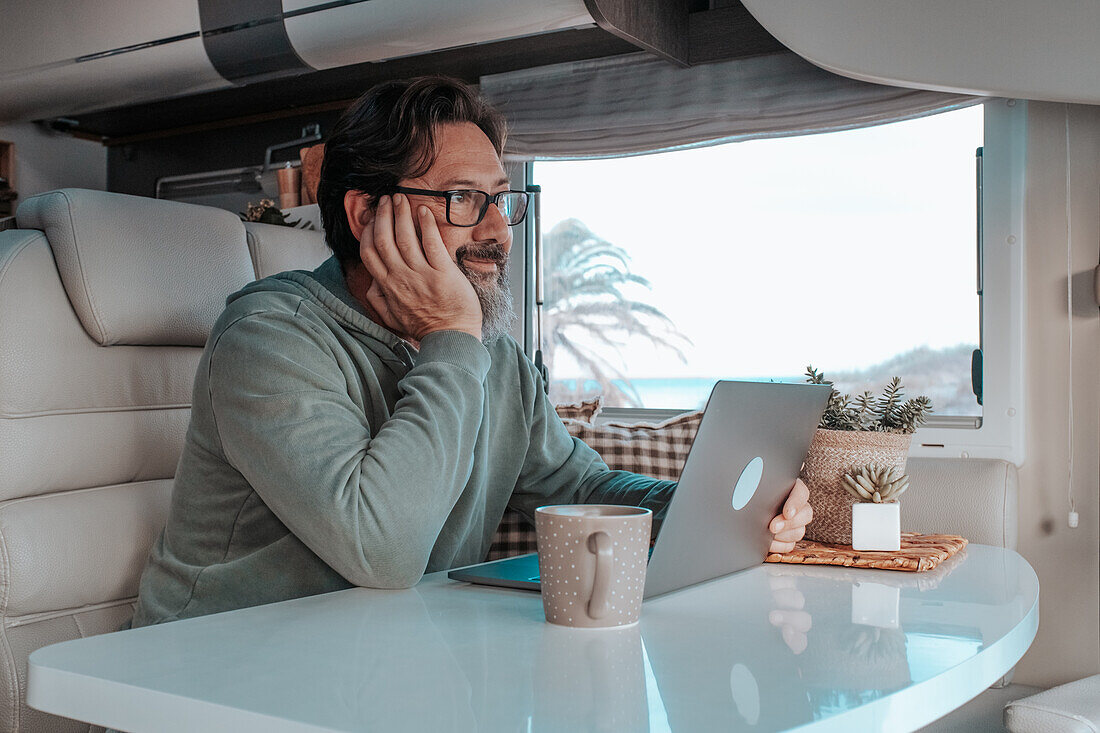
[919, 552]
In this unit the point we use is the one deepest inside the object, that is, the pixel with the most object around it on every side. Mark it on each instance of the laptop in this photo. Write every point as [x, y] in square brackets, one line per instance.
[749, 450]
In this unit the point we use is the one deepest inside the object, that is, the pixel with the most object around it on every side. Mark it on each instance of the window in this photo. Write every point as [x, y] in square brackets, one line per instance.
[852, 251]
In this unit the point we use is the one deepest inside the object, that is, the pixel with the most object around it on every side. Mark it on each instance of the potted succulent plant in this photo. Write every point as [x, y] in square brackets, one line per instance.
[876, 517]
[266, 212]
[854, 433]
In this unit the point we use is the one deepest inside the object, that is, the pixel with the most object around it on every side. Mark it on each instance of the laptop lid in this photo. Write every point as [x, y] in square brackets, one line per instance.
[747, 453]
[742, 464]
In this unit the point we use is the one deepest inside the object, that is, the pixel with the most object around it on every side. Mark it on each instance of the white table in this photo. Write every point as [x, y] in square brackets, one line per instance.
[778, 647]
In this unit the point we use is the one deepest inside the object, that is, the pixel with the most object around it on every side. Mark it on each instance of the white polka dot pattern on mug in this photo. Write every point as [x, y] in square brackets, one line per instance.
[567, 541]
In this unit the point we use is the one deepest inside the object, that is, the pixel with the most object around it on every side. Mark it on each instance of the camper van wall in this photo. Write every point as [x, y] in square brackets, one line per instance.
[1065, 559]
[46, 161]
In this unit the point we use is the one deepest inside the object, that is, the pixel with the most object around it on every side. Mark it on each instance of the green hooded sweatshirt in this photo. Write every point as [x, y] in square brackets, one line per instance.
[325, 453]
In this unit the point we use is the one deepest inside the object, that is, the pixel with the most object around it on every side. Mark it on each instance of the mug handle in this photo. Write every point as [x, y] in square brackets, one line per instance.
[599, 544]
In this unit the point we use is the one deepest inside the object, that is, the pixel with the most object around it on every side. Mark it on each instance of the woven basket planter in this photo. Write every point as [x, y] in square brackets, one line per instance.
[832, 454]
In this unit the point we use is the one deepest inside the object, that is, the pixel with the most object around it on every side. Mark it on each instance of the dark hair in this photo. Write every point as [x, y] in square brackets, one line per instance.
[388, 134]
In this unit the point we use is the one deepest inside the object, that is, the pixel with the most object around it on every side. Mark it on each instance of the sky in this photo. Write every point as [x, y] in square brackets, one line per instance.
[839, 250]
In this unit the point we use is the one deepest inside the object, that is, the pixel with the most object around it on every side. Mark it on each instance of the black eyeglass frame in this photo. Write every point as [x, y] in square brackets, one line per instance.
[490, 198]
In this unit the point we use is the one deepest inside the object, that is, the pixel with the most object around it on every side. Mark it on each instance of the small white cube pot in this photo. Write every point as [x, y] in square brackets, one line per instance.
[876, 526]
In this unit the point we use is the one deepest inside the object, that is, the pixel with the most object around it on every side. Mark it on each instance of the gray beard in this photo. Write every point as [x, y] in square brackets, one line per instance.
[495, 296]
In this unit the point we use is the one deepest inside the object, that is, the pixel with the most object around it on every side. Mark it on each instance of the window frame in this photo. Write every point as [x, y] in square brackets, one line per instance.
[521, 261]
[1000, 238]
[999, 433]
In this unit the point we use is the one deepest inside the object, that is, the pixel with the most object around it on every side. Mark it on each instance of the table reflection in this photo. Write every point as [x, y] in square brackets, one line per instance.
[717, 658]
[876, 632]
[789, 614]
[590, 680]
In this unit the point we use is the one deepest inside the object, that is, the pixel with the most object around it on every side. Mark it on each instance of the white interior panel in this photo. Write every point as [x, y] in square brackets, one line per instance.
[384, 29]
[158, 72]
[38, 32]
[1030, 49]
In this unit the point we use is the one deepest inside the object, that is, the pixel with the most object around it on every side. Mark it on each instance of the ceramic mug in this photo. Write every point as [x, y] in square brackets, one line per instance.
[592, 562]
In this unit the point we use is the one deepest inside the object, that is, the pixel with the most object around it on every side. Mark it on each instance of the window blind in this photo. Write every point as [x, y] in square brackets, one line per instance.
[634, 104]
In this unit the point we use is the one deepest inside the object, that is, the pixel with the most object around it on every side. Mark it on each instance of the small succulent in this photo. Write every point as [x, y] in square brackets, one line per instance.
[266, 212]
[887, 413]
[877, 484]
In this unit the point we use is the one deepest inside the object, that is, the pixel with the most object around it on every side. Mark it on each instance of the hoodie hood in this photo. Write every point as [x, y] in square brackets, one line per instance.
[327, 287]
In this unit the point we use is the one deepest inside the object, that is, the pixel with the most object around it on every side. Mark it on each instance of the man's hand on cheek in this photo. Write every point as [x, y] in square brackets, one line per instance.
[790, 526]
[417, 289]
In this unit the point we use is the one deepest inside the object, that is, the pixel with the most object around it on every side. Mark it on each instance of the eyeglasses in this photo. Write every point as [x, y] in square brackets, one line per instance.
[467, 208]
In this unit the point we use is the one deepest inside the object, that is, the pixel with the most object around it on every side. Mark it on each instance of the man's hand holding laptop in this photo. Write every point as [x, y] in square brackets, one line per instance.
[789, 527]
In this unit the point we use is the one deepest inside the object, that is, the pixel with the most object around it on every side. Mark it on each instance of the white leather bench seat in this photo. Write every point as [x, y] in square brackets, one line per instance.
[1069, 708]
[972, 497]
[105, 304]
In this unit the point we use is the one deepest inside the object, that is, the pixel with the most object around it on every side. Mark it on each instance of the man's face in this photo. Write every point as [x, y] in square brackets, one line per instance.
[466, 159]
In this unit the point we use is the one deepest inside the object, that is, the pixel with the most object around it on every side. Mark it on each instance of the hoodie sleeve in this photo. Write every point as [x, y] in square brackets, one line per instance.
[369, 500]
[561, 469]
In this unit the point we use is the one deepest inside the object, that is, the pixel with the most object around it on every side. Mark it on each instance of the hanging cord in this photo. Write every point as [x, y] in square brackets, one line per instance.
[1073, 518]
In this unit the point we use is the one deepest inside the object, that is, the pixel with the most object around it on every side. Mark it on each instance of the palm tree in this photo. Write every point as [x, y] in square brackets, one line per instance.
[584, 302]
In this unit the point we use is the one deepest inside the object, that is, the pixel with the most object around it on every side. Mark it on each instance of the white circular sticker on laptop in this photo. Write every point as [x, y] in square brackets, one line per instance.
[748, 482]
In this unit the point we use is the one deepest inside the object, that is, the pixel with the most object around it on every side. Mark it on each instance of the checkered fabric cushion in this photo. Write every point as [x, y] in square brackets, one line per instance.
[514, 536]
[651, 450]
[585, 411]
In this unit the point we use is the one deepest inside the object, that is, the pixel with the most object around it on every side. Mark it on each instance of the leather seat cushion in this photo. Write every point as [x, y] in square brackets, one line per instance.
[277, 248]
[972, 497]
[140, 270]
[1069, 708]
[15, 714]
[77, 548]
[72, 413]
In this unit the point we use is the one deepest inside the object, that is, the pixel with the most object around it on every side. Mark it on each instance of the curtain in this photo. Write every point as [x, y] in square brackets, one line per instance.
[633, 104]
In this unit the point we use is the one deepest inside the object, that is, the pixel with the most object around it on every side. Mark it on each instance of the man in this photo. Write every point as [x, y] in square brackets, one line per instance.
[369, 422]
